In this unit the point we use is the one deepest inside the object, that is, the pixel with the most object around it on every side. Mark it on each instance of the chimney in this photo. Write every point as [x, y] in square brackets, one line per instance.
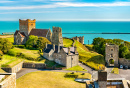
[46, 45]
[68, 50]
[54, 47]
[75, 50]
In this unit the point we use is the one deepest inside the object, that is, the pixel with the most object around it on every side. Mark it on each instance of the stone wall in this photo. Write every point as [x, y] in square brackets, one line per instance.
[124, 62]
[14, 69]
[72, 60]
[9, 82]
[34, 65]
[79, 39]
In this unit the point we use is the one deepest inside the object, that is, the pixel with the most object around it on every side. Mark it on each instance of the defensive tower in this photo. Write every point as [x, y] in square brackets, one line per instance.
[111, 52]
[57, 36]
[26, 25]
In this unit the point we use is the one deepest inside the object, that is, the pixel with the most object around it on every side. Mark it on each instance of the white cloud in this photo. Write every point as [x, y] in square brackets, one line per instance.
[59, 0]
[66, 4]
[6, 1]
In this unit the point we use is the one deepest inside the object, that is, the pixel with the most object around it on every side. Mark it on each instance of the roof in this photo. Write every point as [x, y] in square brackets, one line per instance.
[39, 32]
[49, 47]
[21, 33]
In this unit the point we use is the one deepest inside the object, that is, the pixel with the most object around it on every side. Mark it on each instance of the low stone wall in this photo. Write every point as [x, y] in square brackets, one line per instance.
[34, 65]
[14, 69]
[124, 62]
[9, 82]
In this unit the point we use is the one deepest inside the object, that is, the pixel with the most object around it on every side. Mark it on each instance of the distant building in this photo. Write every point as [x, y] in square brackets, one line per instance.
[112, 54]
[28, 27]
[68, 57]
[79, 39]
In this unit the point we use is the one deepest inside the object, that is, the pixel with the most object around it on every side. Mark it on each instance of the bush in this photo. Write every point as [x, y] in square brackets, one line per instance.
[12, 53]
[19, 46]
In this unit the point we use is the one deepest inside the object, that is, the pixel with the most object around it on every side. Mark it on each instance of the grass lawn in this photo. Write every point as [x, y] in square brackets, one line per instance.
[10, 61]
[76, 68]
[47, 79]
[115, 71]
[67, 42]
[11, 39]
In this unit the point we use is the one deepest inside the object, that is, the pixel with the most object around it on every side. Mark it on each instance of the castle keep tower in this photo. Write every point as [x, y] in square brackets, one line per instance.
[111, 54]
[26, 25]
[57, 36]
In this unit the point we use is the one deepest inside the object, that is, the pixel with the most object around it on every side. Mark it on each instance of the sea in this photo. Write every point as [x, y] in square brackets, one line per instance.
[78, 27]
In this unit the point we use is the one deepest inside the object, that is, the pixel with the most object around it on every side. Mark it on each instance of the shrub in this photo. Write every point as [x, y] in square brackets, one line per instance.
[12, 53]
[19, 46]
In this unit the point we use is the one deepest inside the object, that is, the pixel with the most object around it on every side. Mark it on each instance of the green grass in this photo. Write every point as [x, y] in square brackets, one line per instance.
[115, 71]
[47, 79]
[67, 42]
[10, 61]
[90, 47]
[11, 39]
[76, 68]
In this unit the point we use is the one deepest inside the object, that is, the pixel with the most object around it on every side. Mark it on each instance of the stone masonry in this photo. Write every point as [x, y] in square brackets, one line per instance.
[111, 53]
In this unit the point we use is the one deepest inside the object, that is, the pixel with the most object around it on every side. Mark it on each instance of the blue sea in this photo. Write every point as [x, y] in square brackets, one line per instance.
[78, 27]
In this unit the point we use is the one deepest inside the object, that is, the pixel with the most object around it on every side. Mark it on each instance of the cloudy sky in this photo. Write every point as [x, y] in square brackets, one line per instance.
[65, 10]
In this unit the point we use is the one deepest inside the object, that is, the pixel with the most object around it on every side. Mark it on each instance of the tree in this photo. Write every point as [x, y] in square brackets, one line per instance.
[5, 45]
[123, 50]
[41, 42]
[127, 55]
[118, 41]
[31, 42]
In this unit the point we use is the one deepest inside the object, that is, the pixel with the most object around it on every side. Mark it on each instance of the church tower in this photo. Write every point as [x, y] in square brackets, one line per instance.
[57, 36]
[26, 25]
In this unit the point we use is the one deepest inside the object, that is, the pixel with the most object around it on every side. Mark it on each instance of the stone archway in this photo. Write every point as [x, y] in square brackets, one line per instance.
[111, 62]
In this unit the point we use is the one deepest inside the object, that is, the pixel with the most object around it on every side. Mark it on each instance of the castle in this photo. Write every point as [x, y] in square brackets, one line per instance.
[28, 27]
[68, 57]
[79, 39]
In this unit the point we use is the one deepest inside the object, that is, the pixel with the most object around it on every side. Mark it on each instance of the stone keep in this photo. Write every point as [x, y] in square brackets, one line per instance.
[57, 36]
[111, 53]
[26, 25]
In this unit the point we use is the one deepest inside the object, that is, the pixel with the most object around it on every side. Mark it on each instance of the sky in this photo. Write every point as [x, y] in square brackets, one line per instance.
[65, 10]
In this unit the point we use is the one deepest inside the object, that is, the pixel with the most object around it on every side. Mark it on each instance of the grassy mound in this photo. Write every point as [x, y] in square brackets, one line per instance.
[67, 42]
[47, 79]
[76, 68]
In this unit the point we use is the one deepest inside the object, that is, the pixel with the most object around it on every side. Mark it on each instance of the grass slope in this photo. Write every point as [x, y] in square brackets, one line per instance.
[47, 79]
[2, 71]
[76, 68]
[89, 57]
[67, 42]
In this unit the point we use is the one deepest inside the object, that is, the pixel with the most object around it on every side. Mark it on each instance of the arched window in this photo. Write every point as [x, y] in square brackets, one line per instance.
[111, 55]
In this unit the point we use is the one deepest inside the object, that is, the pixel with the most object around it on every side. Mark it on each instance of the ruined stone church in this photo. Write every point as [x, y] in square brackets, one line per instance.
[28, 27]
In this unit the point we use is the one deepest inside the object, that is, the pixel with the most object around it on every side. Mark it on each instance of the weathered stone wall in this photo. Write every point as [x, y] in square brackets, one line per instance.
[34, 65]
[9, 82]
[79, 39]
[60, 58]
[72, 60]
[124, 62]
[14, 69]
[102, 84]
[49, 55]
[57, 36]
[26, 25]
[112, 52]
[49, 35]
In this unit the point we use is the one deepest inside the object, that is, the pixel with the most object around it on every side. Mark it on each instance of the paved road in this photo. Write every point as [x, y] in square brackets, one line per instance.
[24, 71]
